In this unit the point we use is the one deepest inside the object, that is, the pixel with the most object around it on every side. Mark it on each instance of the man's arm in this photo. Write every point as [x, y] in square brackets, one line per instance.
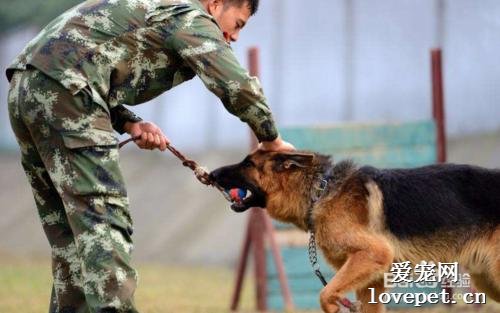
[202, 47]
[149, 135]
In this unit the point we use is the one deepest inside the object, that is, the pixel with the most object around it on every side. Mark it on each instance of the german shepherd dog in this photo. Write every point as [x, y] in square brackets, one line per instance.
[368, 218]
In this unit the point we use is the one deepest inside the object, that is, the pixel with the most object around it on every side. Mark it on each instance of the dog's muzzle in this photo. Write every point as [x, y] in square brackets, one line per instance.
[230, 177]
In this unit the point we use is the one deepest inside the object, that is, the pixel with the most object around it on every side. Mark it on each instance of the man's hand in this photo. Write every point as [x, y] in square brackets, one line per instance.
[277, 144]
[151, 136]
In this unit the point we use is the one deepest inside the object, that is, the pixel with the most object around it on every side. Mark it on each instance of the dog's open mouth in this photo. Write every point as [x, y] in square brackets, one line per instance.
[230, 179]
[254, 198]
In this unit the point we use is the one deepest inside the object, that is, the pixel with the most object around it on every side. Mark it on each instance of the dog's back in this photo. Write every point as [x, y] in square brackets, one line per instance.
[437, 198]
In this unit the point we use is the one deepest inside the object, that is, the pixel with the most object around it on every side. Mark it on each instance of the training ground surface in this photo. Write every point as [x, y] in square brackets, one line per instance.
[25, 287]
[179, 225]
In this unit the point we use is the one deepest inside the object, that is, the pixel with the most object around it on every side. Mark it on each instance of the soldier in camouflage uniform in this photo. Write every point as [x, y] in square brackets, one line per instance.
[67, 92]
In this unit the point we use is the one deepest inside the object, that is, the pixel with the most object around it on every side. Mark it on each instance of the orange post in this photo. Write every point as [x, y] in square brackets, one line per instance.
[278, 261]
[241, 269]
[438, 115]
[438, 103]
[259, 225]
[257, 214]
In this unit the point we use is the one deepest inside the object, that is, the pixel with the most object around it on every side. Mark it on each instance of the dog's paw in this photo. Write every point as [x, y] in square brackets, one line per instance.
[356, 307]
[347, 306]
[344, 309]
[338, 304]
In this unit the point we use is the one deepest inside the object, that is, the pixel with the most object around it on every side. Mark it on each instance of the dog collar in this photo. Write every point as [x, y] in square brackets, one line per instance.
[319, 188]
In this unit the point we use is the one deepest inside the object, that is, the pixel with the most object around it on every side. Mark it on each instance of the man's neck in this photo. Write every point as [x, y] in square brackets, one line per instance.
[204, 4]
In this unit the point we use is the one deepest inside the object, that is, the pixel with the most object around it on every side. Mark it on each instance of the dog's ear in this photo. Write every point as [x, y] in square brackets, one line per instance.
[291, 160]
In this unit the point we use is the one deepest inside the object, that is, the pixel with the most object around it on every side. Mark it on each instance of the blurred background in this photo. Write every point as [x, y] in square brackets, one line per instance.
[322, 62]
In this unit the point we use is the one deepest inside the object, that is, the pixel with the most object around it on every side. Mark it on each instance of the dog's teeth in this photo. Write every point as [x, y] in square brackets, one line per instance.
[249, 194]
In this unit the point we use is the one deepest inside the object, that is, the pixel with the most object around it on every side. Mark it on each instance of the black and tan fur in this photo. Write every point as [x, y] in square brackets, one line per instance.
[371, 217]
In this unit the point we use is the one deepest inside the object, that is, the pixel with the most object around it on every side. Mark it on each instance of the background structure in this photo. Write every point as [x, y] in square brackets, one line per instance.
[328, 62]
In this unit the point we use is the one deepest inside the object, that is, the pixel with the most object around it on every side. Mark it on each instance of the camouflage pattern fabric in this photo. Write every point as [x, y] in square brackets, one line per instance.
[130, 51]
[70, 156]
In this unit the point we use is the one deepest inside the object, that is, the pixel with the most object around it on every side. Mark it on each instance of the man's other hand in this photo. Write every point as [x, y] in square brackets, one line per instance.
[150, 136]
[277, 144]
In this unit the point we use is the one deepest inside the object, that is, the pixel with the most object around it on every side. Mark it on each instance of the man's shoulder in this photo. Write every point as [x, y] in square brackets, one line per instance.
[186, 18]
[176, 10]
[183, 3]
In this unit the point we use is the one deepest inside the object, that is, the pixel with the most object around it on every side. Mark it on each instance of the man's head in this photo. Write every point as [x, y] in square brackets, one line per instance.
[231, 15]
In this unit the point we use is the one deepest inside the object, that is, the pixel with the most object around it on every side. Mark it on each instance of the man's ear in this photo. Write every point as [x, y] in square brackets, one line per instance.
[214, 5]
[291, 160]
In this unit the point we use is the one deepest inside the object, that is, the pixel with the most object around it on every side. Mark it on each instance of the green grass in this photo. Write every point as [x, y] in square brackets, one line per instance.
[181, 289]
[25, 287]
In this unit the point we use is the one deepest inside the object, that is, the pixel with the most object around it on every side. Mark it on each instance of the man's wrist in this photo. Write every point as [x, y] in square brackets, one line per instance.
[269, 145]
[276, 145]
[127, 127]
[265, 130]
[121, 116]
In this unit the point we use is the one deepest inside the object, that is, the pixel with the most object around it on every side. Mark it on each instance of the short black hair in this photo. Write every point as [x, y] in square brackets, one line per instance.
[253, 5]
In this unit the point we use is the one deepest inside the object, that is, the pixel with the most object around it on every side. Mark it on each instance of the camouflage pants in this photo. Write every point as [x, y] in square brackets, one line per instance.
[70, 156]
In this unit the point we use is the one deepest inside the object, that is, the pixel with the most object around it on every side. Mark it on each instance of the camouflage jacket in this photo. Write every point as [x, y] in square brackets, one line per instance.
[130, 51]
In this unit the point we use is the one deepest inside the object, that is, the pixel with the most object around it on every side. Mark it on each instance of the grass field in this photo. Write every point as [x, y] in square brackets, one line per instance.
[25, 287]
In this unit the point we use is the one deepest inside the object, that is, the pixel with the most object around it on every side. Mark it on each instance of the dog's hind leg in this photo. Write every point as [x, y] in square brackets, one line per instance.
[360, 269]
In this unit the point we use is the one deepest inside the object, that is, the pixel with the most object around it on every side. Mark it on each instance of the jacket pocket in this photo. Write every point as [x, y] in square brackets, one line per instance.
[89, 138]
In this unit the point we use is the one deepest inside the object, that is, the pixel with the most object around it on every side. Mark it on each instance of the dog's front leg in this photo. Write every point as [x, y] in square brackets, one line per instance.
[360, 269]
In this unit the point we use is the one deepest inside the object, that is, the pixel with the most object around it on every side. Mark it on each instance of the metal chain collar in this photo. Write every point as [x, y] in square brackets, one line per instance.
[313, 258]
[319, 191]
